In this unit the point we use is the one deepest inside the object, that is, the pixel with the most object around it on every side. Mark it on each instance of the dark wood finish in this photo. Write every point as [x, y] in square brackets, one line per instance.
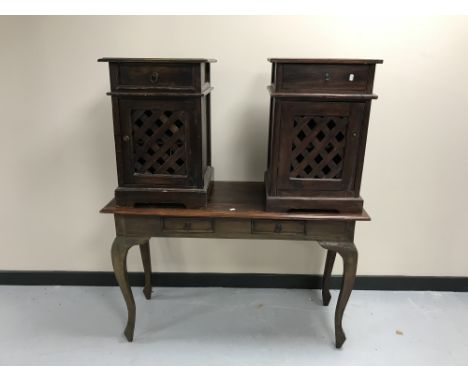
[235, 200]
[161, 128]
[119, 252]
[146, 260]
[326, 281]
[323, 77]
[160, 94]
[166, 195]
[158, 60]
[344, 61]
[234, 210]
[348, 251]
[157, 76]
[321, 96]
[319, 115]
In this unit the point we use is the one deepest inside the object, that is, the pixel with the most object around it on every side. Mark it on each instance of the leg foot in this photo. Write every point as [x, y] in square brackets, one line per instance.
[119, 251]
[129, 330]
[349, 254]
[340, 338]
[326, 296]
[146, 259]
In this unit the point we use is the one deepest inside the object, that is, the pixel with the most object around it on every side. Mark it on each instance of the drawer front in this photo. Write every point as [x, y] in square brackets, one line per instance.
[187, 225]
[156, 76]
[279, 227]
[326, 78]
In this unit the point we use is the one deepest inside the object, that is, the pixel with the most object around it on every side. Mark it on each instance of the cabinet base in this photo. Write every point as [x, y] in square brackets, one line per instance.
[189, 197]
[313, 203]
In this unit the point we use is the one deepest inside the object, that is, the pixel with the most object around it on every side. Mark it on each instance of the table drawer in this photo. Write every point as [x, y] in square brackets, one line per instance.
[156, 76]
[187, 225]
[323, 77]
[282, 227]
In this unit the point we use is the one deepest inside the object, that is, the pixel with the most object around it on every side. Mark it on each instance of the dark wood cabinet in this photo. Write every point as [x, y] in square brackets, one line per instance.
[319, 115]
[161, 112]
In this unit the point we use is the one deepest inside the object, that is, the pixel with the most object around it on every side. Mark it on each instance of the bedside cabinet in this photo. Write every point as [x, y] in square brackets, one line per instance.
[319, 114]
[161, 113]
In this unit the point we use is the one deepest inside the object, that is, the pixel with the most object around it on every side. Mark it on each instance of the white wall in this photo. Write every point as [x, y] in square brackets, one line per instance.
[57, 155]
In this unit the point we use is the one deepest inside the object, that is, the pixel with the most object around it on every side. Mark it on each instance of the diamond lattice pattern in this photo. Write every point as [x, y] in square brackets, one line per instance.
[159, 142]
[318, 147]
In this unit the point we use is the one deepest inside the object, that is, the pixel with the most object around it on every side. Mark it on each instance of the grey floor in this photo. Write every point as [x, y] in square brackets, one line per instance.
[221, 326]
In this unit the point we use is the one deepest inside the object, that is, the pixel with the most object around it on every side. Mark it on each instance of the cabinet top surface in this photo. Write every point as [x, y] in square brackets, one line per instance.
[158, 60]
[241, 200]
[324, 61]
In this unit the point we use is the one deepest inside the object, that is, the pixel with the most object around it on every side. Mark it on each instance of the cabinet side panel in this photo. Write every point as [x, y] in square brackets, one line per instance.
[362, 148]
[197, 147]
[119, 157]
[370, 80]
[270, 134]
[204, 131]
[208, 129]
[197, 75]
[275, 144]
[114, 75]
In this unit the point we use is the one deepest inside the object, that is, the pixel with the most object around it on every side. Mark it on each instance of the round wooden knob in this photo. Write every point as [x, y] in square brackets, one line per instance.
[126, 138]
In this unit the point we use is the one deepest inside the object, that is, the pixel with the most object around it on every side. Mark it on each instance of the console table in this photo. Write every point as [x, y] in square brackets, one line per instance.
[235, 210]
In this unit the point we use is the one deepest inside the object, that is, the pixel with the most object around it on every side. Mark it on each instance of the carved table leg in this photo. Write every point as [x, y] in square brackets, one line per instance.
[349, 254]
[326, 296]
[119, 251]
[145, 257]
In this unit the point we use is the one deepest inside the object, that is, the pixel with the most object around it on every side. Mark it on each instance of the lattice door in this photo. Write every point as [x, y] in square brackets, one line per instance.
[159, 142]
[318, 146]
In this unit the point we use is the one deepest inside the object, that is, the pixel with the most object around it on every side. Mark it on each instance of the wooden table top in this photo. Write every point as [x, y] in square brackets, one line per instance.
[242, 200]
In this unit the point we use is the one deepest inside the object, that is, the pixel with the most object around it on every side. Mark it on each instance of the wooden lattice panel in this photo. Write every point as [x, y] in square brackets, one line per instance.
[318, 146]
[159, 142]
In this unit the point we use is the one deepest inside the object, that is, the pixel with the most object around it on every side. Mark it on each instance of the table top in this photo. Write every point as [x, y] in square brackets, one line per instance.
[243, 200]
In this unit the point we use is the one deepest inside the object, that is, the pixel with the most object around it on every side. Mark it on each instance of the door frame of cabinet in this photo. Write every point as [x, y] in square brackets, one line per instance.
[191, 106]
[284, 111]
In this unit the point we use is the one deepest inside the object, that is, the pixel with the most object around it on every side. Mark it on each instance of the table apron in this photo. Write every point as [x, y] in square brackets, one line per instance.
[232, 228]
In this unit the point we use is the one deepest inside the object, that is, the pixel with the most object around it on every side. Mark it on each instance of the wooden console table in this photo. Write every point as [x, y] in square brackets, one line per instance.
[235, 210]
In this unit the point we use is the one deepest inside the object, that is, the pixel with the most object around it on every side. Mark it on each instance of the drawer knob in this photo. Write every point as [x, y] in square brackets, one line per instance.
[154, 77]
[278, 228]
[126, 138]
[327, 76]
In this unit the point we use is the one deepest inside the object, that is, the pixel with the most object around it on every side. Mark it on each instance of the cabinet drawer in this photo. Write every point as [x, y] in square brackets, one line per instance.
[278, 227]
[187, 225]
[323, 77]
[156, 76]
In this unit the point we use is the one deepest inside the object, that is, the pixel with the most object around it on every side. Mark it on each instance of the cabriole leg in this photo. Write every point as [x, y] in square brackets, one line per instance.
[119, 251]
[326, 296]
[349, 254]
[146, 259]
